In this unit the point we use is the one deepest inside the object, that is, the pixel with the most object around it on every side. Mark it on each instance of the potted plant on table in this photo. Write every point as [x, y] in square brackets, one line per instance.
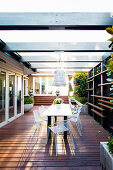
[57, 102]
[28, 104]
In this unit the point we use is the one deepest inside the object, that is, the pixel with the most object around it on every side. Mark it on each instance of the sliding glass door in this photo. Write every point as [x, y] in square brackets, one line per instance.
[2, 96]
[19, 93]
[11, 95]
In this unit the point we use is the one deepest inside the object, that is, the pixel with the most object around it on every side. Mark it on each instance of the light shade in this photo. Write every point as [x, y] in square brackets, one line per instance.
[59, 78]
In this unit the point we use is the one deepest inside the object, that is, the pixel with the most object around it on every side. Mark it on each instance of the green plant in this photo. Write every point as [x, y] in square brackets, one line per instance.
[80, 84]
[58, 101]
[110, 31]
[82, 100]
[98, 69]
[28, 101]
[109, 67]
[110, 143]
[91, 73]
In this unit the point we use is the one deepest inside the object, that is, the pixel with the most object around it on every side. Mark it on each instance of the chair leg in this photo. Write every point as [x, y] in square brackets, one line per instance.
[78, 128]
[71, 136]
[48, 131]
[80, 123]
[56, 143]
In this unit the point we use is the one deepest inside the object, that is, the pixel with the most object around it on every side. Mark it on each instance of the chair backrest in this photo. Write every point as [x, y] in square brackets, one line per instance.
[77, 112]
[36, 116]
[41, 109]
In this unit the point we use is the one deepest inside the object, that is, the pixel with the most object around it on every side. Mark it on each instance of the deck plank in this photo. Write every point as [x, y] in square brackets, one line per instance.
[22, 145]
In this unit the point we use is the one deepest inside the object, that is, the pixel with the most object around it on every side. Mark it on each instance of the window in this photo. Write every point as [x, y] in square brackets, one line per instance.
[44, 86]
[37, 85]
[50, 87]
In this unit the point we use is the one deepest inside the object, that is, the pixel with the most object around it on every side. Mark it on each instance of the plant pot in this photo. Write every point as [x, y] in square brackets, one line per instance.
[28, 107]
[106, 158]
[58, 106]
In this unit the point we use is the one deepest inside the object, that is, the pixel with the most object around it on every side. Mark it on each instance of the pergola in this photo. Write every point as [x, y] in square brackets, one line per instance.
[44, 57]
[23, 141]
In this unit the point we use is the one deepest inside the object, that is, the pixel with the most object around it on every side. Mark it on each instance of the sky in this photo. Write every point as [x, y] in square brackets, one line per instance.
[56, 6]
[55, 36]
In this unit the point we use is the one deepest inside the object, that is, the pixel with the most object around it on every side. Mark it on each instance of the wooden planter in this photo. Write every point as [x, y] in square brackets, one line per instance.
[84, 109]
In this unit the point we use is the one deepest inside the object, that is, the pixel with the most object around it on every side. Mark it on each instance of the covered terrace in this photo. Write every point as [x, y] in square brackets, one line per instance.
[22, 145]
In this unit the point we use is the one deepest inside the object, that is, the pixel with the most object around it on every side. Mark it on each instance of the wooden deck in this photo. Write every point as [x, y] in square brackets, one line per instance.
[22, 146]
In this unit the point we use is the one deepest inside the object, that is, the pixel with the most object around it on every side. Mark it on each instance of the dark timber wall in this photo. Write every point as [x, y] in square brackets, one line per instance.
[99, 96]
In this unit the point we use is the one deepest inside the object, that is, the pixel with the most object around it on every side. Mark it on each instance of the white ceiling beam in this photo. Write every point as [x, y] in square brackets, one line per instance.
[75, 20]
[57, 46]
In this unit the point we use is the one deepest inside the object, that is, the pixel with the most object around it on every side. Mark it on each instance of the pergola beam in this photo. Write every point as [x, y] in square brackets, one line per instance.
[63, 68]
[87, 61]
[57, 46]
[55, 20]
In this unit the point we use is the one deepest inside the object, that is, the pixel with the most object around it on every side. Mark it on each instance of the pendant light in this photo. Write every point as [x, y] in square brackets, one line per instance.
[59, 76]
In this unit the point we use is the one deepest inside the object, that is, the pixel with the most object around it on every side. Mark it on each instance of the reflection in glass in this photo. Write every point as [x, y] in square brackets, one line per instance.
[11, 95]
[50, 85]
[2, 96]
[37, 85]
[43, 86]
[24, 87]
[19, 86]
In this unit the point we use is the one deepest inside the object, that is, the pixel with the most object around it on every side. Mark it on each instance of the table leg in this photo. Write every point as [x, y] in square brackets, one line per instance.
[55, 119]
[49, 123]
[65, 133]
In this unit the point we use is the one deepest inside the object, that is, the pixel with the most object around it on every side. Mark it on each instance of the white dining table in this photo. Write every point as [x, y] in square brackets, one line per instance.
[63, 110]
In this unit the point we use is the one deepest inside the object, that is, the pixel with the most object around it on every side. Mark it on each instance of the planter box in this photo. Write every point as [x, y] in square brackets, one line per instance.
[106, 159]
[84, 107]
[28, 107]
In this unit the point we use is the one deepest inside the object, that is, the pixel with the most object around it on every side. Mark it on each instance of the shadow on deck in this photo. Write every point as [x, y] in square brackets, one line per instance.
[22, 146]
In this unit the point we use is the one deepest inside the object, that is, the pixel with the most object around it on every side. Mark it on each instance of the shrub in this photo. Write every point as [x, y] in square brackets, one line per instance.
[110, 143]
[80, 84]
[28, 101]
[82, 100]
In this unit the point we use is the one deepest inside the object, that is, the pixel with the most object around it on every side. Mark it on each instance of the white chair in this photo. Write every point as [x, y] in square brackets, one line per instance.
[60, 127]
[41, 110]
[38, 119]
[76, 118]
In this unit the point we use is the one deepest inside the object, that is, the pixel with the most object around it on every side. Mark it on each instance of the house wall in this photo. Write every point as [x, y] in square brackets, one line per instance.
[13, 105]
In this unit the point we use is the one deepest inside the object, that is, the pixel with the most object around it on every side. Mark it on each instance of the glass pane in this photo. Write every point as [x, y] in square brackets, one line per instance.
[2, 96]
[11, 95]
[63, 89]
[43, 85]
[19, 90]
[37, 85]
[50, 85]
[24, 86]
[30, 84]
